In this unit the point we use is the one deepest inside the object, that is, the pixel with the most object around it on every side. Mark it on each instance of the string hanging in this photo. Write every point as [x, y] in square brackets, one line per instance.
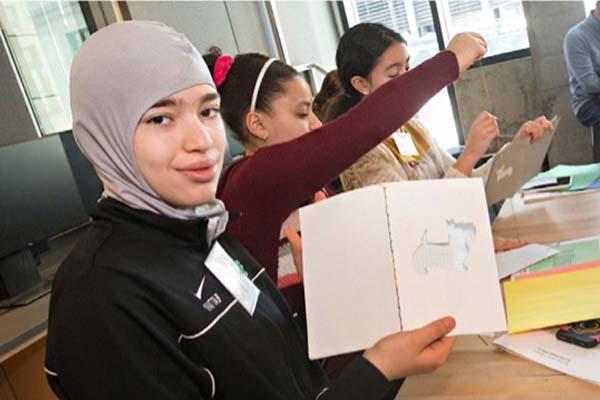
[499, 154]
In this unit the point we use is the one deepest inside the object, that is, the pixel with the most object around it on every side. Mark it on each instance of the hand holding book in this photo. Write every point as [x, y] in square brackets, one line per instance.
[414, 352]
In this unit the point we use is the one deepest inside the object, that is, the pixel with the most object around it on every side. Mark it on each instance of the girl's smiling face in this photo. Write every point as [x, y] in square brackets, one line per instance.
[178, 146]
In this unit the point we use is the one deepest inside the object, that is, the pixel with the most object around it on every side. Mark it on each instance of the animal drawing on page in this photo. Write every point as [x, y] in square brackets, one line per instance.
[503, 172]
[450, 255]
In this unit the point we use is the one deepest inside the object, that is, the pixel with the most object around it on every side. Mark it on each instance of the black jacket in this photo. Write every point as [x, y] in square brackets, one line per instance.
[127, 322]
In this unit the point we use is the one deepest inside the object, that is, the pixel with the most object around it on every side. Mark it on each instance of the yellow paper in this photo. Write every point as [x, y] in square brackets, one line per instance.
[555, 299]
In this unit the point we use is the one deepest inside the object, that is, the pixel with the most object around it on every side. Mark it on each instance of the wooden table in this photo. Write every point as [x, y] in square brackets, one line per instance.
[476, 369]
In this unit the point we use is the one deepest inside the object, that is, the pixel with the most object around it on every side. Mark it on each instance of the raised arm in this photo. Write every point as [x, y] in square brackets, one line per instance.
[283, 176]
[306, 164]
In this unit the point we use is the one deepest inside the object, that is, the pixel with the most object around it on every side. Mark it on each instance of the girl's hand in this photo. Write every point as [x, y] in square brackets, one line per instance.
[468, 48]
[534, 129]
[296, 244]
[483, 130]
[413, 352]
[502, 244]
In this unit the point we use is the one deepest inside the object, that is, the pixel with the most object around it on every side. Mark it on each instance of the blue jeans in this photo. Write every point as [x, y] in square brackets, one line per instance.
[589, 115]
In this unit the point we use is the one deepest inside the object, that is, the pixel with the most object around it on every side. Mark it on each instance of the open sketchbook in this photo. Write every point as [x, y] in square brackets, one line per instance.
[516, 164]
[398, 256]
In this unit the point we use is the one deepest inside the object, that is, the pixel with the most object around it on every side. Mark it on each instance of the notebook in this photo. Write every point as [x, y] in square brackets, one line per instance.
[394, 257]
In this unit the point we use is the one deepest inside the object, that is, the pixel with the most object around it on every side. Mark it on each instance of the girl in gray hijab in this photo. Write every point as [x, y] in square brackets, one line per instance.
[155, 302]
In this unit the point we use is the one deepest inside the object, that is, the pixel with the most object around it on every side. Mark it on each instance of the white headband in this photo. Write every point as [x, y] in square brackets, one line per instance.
[259, 79]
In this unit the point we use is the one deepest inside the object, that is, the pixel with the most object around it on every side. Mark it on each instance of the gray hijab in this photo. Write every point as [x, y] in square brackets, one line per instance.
[116, 76]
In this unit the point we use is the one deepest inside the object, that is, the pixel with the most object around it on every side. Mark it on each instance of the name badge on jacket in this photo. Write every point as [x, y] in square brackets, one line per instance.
[405, 144]
[233, 277]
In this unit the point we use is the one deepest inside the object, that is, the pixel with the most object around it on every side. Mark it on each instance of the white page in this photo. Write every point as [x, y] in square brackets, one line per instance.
[544, 348]
[512, 261]
[351, 299]
[471, 296]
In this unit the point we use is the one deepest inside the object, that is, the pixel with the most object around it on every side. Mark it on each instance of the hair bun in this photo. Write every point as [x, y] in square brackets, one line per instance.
[215, 51]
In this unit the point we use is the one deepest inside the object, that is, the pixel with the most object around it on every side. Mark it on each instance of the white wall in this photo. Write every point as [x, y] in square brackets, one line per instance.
[308, 27]
[233, 26]
[310, 31]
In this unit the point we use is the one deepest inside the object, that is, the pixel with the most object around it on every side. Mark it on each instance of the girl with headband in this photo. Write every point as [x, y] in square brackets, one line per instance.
[155, 301]
[267, 105]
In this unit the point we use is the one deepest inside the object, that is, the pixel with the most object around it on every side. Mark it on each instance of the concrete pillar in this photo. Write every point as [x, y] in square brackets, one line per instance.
[548, 22]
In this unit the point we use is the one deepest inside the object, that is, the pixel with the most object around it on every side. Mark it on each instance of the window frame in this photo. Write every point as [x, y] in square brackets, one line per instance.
[41, 132]
[347, 18]
[88, 16]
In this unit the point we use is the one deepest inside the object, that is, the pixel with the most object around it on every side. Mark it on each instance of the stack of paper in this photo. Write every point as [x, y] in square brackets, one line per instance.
[569, 253]
[512, 261]
[553, 299]
[561, 289]
[529, 198]
[582, 176]
[567, 268]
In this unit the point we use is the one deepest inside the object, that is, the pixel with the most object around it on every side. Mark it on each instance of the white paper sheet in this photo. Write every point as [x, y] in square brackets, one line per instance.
[512, 261]
[463, 282]
[351, 297]
[543, 348]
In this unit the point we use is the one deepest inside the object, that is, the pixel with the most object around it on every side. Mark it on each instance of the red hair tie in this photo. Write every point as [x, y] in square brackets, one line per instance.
[221, 69]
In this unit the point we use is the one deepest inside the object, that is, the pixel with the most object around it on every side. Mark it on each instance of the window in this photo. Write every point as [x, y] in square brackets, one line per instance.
[589, 6]
[502, 23]
[42, 38]
[414, 21]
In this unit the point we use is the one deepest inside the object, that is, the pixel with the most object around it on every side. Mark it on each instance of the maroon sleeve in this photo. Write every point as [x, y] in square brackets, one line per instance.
[283, 176]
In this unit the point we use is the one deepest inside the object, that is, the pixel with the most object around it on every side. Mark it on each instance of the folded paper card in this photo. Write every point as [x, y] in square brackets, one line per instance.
[553, 299]
[515, 164]
[396, 256]
[569, 252]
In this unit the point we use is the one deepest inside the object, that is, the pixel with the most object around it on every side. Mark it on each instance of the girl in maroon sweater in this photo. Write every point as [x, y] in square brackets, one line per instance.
[267, 105]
